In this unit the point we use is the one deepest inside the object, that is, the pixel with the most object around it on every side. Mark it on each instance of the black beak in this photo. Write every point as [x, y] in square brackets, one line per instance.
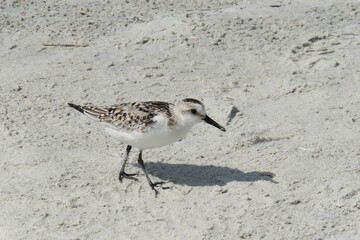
[208, 120]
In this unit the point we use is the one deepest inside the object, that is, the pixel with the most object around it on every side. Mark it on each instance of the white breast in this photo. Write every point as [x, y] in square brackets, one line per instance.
[157, 135]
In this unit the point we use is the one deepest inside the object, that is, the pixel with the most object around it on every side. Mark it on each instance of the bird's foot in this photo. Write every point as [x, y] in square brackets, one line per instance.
[123, 175]
[157, 184]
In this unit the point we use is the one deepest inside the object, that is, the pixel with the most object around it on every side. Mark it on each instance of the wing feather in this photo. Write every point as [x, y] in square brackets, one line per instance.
[127, 116]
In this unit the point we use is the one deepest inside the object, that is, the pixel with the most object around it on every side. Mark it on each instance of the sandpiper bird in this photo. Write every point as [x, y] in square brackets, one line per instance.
[147, 125]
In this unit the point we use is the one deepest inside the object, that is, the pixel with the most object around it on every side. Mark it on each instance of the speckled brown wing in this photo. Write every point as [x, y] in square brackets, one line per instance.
[128, 116]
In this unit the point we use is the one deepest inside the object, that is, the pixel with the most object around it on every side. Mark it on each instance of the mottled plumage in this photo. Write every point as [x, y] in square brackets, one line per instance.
[146, 125]
[135, 116]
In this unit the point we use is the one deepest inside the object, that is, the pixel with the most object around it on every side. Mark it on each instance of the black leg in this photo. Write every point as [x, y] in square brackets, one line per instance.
[152, 185]
[122, 173]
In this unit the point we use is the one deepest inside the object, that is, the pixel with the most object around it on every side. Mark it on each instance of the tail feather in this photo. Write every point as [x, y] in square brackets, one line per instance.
[92, 112]
[77, 107]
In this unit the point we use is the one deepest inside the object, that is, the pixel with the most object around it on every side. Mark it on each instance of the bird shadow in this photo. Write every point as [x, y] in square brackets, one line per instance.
[204, 175]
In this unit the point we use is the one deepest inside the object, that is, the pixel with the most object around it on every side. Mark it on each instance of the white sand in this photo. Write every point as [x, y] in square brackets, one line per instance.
[287, 168]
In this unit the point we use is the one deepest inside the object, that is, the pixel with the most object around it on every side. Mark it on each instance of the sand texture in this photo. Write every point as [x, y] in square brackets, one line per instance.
[283, 77]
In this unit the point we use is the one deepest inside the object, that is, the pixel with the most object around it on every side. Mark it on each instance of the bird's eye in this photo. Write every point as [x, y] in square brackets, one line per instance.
[193, 111]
